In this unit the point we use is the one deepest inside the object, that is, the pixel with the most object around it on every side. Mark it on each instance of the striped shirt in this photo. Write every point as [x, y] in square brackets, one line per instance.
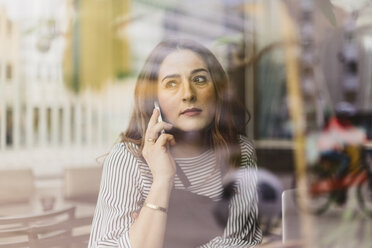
[126, 182]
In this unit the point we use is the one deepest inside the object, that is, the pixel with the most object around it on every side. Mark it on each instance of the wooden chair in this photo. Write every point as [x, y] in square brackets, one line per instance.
[17, 185]
[68, 233]
[53, 229]
[14, 238]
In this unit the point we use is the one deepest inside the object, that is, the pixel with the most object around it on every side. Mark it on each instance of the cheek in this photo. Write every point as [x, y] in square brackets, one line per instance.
[167, 106]
[208, 97]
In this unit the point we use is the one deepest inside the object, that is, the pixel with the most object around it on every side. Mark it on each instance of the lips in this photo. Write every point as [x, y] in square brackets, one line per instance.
[191, 111]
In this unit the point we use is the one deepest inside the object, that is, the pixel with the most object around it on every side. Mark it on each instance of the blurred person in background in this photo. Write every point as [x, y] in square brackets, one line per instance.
[164, 184]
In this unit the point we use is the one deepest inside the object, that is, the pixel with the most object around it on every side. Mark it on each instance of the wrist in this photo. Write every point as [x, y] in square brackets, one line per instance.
[155, 207]
[164, 183]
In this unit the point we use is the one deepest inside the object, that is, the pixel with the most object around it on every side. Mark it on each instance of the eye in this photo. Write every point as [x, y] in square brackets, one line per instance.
[171, 84]
[200, 79]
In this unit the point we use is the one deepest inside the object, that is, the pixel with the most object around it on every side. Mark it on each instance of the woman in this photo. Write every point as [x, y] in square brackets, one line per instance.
[185, 156]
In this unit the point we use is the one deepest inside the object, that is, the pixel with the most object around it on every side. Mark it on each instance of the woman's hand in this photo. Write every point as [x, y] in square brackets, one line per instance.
[156, 150]
[157, 155]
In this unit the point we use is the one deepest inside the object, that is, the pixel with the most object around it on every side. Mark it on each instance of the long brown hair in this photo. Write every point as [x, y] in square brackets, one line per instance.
[224, 132]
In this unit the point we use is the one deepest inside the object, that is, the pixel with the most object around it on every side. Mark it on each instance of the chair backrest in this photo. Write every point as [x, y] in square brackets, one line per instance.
[30, 220]
[82, 183]
[67, 233]
[17, 185]
[14, 237]
[19, 231]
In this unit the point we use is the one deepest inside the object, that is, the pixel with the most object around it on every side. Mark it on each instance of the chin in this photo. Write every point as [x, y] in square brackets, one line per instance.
[192, 127]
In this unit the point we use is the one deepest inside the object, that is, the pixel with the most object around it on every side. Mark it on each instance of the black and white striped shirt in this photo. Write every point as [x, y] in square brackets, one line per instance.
[126, 182]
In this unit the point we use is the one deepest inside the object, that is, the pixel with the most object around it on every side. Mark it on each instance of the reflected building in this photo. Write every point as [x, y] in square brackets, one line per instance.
[9, 81]
[43, 124]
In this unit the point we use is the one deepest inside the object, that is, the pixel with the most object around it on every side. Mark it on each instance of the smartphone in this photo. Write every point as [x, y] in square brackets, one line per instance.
[160, 118]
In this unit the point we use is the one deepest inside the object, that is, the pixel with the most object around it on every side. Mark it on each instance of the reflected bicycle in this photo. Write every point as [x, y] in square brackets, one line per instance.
[330, 179]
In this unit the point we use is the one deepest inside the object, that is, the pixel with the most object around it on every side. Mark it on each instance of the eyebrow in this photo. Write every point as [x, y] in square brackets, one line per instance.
[198, 70]
[171, 76]
[177, 75]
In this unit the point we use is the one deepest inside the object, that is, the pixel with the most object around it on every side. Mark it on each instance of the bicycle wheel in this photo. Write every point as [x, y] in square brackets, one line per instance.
[364, 195]
[318, 201]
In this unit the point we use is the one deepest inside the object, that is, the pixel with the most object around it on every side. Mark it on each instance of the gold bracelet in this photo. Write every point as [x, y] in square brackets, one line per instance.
[155, 207]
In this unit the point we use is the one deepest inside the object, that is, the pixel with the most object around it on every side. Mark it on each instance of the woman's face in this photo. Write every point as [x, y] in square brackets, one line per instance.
[186, 91]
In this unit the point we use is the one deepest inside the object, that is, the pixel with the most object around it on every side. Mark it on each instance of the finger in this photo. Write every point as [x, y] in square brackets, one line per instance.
[153, 132]
[151, 137]
[154, 118]
[165, 139]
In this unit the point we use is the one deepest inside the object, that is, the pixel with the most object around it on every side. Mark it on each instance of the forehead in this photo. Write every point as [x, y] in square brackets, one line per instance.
[180, 61]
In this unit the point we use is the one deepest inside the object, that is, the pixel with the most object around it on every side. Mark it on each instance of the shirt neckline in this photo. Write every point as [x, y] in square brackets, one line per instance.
[197, 157]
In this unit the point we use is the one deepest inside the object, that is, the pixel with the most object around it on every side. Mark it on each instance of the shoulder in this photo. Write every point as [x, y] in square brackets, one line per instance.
[120, 174]
[121, 156]
[248, 152]
[122, 149]
[244, 140]
[246, 145]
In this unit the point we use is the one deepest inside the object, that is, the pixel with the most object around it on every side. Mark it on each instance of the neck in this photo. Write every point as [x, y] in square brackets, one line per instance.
[190, 143]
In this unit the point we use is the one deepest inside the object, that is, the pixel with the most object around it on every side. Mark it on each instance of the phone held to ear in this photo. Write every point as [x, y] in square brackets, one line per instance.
[160, 118]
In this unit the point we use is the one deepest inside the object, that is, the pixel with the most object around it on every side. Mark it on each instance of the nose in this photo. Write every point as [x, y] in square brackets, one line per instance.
[188, 93]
